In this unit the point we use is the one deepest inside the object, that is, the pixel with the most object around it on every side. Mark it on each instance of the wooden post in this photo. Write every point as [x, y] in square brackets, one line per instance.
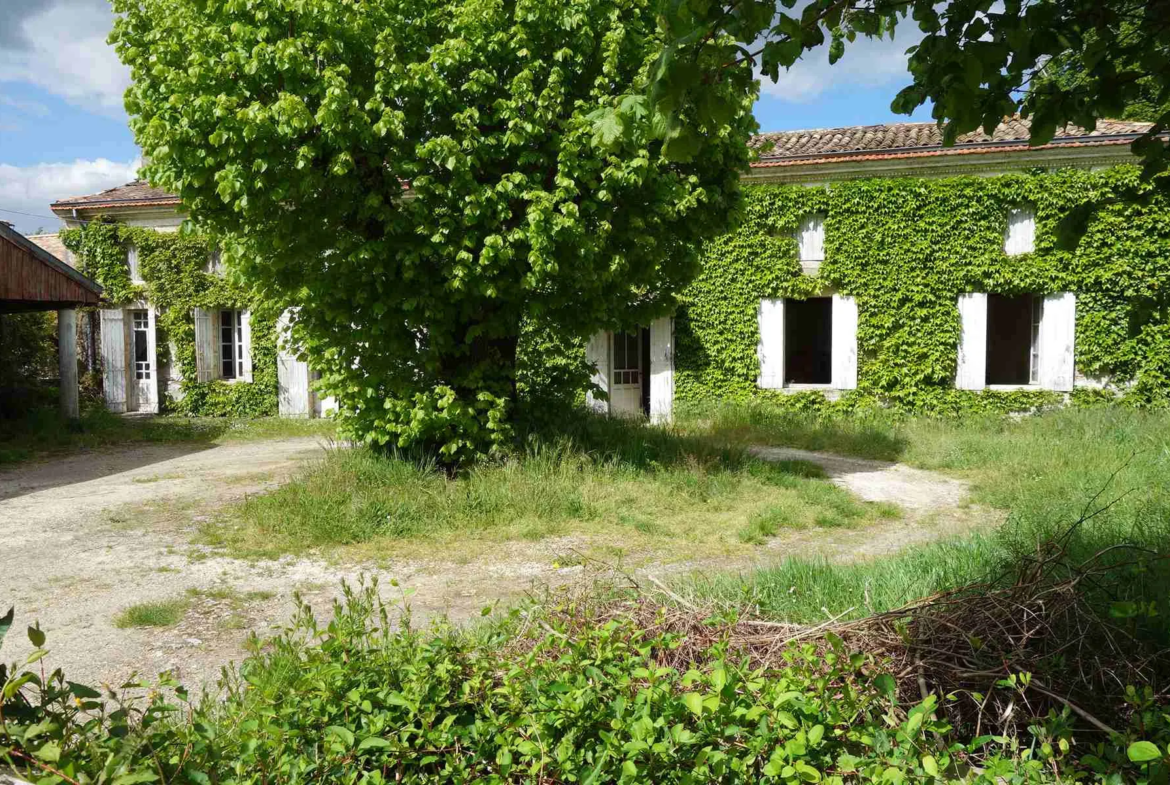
[67, 362]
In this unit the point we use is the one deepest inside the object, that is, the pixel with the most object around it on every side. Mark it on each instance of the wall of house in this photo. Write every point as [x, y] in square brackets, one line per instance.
[183, 296]
[905, 251]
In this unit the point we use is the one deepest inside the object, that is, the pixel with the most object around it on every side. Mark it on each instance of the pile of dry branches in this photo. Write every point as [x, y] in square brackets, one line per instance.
[967, 643]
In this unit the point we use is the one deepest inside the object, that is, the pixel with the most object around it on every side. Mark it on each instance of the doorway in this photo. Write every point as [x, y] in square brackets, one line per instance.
[808, 341]
[144, 379]
[1013, 339]
[629, 390]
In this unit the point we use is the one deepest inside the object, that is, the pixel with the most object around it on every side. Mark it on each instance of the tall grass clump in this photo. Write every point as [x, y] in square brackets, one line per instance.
[626, 483]
[1098, 478]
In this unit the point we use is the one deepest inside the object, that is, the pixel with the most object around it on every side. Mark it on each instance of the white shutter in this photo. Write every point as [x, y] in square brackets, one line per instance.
[971, 373]
[812, 238]
[152, 358]
[1058, 328]
[292, 374]
[205, 365]
[114, 358]
[597, 355]
[661, 369]
[1021, 232]
[844, 338]
[811, 241]
[770, 349]
[246, 345]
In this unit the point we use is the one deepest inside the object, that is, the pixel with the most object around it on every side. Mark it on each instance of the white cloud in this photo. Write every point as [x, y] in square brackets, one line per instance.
[866, 63]
[62, 48]
[31, 189]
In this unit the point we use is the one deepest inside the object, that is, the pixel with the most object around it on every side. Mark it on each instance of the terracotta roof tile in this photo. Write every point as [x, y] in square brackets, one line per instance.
[52, 243]
[137, 192]
[867, 140]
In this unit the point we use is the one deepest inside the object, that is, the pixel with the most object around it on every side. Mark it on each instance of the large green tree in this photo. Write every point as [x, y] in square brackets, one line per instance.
[421, 178]
[1054, 61]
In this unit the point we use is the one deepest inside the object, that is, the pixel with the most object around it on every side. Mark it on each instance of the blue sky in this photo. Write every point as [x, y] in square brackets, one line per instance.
[63, 130]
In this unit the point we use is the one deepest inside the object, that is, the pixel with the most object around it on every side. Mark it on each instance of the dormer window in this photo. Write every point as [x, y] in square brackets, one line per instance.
[810, 239]
[1020, 237]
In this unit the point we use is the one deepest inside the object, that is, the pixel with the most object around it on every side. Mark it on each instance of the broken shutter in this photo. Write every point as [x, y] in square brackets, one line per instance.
[770, 350]
[1058, 327]
[205, 369]
[597, 355]
[844, 337]
[246, 346]
[114, 358]
[971, 373]
[661, 369]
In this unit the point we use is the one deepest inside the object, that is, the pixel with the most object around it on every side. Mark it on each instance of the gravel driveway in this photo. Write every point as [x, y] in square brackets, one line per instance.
[73, 555]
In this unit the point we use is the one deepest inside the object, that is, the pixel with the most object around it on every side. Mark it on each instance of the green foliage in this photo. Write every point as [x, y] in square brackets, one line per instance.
[28, 356]
[162, 613]
[177, 279]
[905, 249]
[975, 63]
[573, 699]
[423, 179]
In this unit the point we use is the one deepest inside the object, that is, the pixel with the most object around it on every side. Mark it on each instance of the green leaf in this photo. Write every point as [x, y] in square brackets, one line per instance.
[694, 702]
[50, 752]
[373, 741]
[36, 636]
[6, 622]
[886, 685]
[930, 765]
[345, 735]
[1143, 752]
[816, 734]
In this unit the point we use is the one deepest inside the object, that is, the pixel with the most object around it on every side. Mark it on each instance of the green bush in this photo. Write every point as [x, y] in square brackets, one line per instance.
[562, 695]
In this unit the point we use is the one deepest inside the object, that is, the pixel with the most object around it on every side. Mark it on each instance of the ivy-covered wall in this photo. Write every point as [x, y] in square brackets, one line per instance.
[906, 248]
[176, 280]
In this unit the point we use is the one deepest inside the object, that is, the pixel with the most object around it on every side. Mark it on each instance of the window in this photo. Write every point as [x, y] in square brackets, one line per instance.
[808, 341]
[140, 324]
[215, 262]
[811, 238]
[132, 264]
[627, 358]
[1013, 339]
[1021, 232]
[231, 344]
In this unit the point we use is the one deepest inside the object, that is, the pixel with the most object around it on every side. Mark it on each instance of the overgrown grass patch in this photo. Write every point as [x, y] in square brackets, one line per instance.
[1044, 469]
[641, 489]
[158, 613]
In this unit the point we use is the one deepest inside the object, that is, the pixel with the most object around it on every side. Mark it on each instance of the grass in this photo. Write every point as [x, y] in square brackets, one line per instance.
[622, 488]
[162, 613]
[42, 432]
[1044, 469]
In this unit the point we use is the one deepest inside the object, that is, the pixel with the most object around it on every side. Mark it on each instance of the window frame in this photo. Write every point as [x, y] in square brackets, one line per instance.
[230, 337]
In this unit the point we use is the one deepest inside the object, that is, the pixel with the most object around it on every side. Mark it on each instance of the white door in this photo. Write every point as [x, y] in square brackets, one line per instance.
[144, 380]
[625, 392]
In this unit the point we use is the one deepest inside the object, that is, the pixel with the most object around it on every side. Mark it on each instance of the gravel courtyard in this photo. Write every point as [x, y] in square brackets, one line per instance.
[85, 536]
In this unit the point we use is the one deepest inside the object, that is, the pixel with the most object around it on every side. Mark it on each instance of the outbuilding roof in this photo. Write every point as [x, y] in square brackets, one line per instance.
[32, 279]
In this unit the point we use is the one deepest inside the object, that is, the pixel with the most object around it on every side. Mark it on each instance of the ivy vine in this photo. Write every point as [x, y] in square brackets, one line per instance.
[176, 279]
[905, 248]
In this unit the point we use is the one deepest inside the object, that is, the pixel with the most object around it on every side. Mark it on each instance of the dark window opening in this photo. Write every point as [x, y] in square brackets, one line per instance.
[808, 341]
[1013, 339]
[141, 328]
[231, 330]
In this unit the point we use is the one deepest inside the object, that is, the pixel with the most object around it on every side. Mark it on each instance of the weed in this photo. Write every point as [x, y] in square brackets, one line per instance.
[162, 613]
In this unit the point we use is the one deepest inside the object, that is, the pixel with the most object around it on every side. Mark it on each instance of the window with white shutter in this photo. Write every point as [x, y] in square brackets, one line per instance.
[811, 242]
[1021, 232]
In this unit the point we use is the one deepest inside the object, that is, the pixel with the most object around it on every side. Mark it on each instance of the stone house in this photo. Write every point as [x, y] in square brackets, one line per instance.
[804, 332]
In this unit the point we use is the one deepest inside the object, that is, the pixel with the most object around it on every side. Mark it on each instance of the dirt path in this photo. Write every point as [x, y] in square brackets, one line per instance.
[70, 561]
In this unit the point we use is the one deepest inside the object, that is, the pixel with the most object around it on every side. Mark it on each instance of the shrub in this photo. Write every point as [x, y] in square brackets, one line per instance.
[572, 693]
